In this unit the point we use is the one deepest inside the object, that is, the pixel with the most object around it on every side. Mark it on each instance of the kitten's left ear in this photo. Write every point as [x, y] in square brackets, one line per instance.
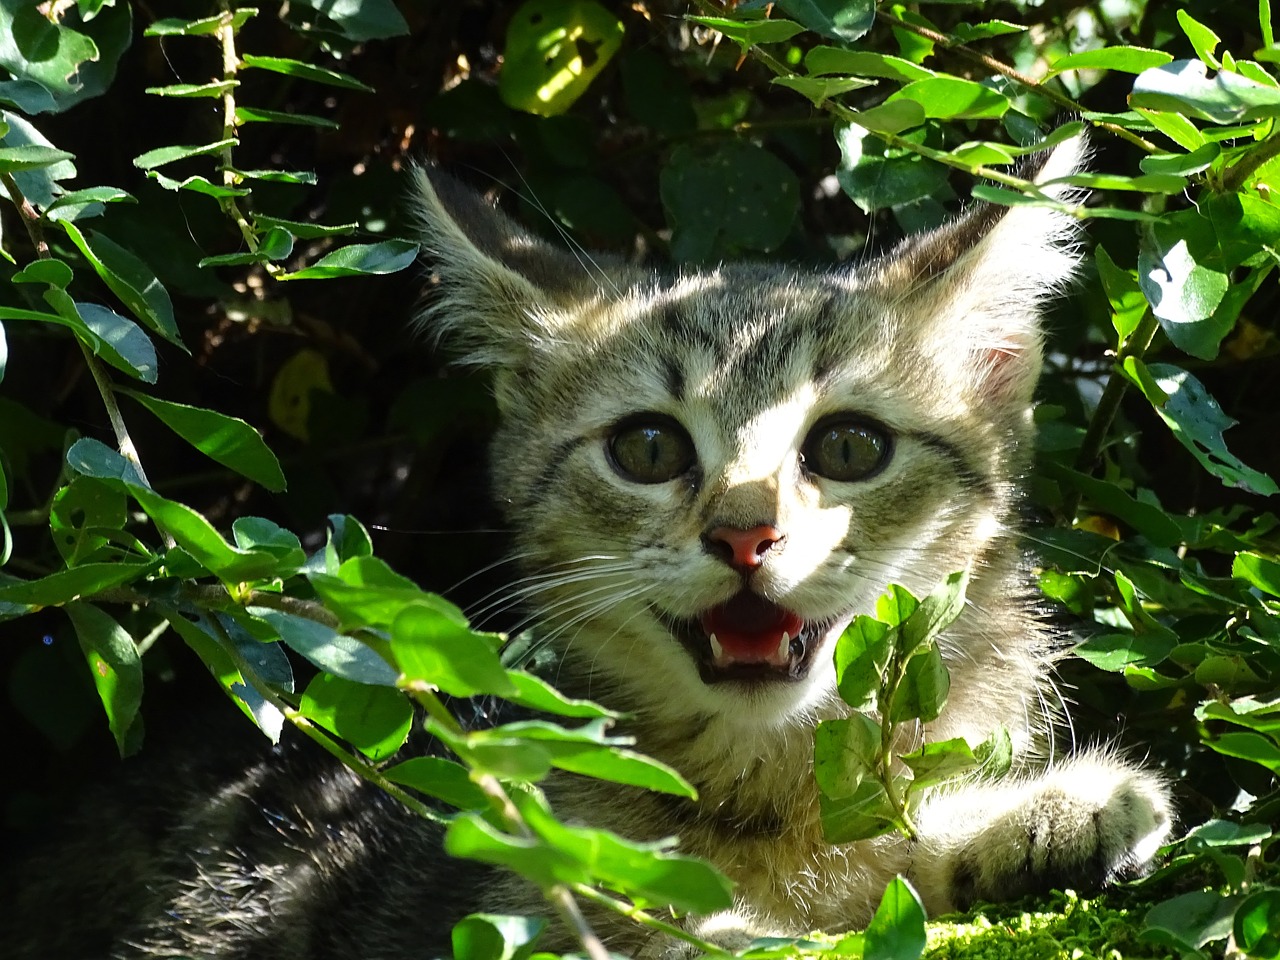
[973, 288]
[500, 291]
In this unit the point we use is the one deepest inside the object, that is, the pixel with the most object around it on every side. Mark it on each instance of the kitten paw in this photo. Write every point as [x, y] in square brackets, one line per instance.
[1091, 821]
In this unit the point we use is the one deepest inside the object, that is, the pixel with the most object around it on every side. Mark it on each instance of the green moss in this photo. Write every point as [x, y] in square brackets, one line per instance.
[1060, 927]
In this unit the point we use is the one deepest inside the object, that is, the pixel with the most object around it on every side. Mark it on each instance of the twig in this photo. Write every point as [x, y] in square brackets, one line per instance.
[30, 219]
[226, 37]
[1109, 403]
[1253, 158]
[632, 912]
[991, 63]
[849, 115]
[559, 895]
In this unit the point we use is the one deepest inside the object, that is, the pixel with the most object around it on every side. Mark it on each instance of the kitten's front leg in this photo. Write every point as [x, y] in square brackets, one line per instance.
[1089, 820]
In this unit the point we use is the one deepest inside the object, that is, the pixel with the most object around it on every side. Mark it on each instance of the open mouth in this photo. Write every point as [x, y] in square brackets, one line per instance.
[750, 638]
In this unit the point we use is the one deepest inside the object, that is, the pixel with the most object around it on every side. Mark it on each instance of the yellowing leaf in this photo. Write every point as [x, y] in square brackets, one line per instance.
[289, 404]
[554, 50]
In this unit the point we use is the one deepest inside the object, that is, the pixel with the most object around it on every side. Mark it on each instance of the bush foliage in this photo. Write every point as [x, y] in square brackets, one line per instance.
[203, 247]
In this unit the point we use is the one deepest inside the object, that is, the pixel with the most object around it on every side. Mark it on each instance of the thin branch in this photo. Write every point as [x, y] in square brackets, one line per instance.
[30, 218]
[1247, 165]
[991, 63]
[559, 895]
[1135, 345]
[645, 919]
[226, 37]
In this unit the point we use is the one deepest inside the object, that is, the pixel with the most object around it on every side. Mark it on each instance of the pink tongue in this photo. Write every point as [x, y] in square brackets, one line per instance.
[749, 629]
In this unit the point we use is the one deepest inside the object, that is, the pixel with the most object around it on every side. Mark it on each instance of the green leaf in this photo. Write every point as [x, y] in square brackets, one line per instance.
[197, 184]
[1262, 572]
[927, 619]
[361, 19]
[484, 936]
[967, 33]
[1115, 651]
[732, 197]
[61, 587]
[93, 458]
[892, 118]
[862, 653]
[303, 230]
[211, 90]
[256, 533]
[845, 20]
[226, 440]
[618, 765]
[896, 932]
[374, 720]
[859, 63]
[115, 667]
[1192, 919]
[1123, 293]
[203, 638]
[131, 280]
[640, 870]
[70, 63]
[439, 778]
[259, 115]
[343, 656]
[924, 688]
[1196, 421]
[359, 259]
[995, 754]
[1122, 59]
[1184, 87]
[1256, 926]
[116, 339]
[865, 814]
[818, 89]
[747, 33]
[845, 750]
[303, 71]
[347, 538]
[553, 50]
[31, 157]
[1182, 164]
[203, 27]
[874, 182]
[1176, 127]
[432, 649]
[81, 513]
[1247, 745]
[1203, 40]
[954, 99]
[535, 693]
[1183, 292]
[163, 155]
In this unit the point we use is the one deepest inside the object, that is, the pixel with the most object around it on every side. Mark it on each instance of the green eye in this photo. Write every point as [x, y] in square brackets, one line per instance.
[650, 448]
[846, 448]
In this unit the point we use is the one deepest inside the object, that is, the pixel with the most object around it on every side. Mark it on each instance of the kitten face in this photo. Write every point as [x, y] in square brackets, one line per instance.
[687, 414]
[710, 473]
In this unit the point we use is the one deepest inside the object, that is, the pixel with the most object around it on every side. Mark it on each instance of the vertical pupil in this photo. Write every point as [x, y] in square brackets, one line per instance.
[652, 438]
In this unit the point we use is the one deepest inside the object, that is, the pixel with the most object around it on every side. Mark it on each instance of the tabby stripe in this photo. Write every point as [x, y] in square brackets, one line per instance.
[952, 455]
[552, 467]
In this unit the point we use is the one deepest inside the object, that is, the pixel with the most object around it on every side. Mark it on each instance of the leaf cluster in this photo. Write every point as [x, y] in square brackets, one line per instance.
[200, 213]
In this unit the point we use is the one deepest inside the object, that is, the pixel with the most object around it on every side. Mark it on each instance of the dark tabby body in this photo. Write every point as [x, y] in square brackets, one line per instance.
[710, 473]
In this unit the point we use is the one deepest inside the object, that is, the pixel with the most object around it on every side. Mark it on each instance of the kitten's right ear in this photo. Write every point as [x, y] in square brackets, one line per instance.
[497, 289]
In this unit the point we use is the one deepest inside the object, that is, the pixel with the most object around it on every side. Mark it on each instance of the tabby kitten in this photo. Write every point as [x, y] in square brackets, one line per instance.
[710, 473]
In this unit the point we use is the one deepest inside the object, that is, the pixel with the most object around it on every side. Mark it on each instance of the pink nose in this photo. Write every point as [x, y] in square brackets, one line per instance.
[742, 549]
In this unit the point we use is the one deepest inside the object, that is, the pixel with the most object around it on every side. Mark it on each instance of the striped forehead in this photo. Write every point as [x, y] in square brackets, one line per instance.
[751, 337]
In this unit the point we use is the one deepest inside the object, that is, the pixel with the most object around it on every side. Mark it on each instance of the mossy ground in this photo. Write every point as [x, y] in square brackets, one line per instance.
[1062, 926]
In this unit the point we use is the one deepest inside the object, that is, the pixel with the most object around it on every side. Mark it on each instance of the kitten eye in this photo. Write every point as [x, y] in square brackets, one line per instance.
[650, 449]
[845, 448]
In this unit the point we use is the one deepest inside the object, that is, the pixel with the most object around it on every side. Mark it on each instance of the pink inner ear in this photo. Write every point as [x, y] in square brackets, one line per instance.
[1005, 371]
